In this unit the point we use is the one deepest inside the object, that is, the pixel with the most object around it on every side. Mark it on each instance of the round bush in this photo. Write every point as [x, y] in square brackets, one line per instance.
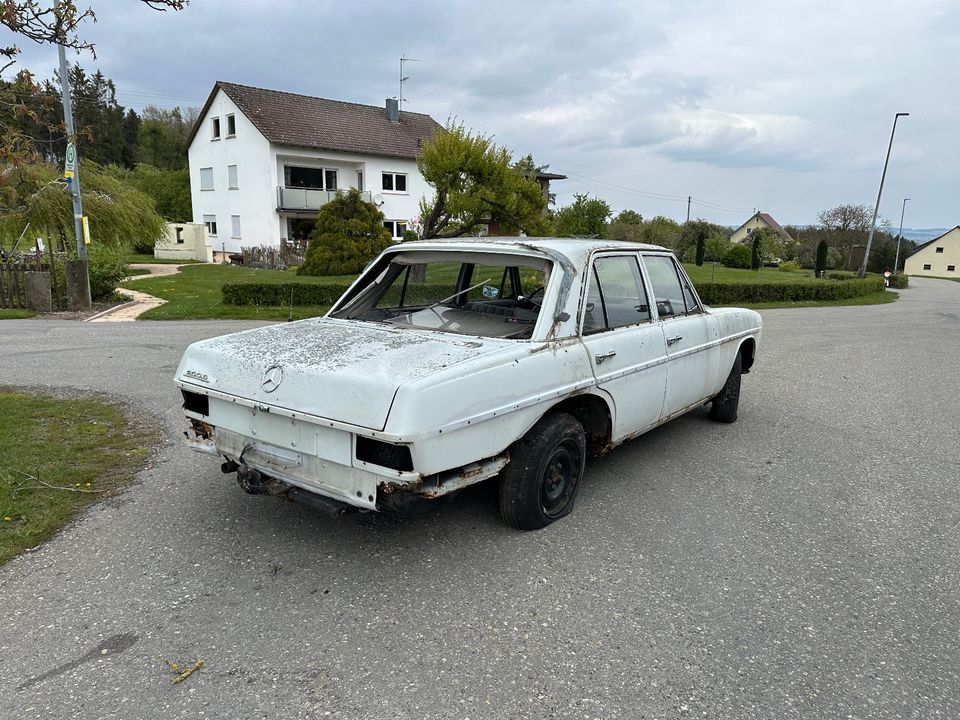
[738, 256]
[349, 234]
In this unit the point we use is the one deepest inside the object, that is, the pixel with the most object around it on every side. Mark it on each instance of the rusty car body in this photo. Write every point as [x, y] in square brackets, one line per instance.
[447, 363]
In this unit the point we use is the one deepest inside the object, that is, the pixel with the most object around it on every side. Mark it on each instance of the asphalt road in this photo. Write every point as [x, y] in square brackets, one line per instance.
[802, 562]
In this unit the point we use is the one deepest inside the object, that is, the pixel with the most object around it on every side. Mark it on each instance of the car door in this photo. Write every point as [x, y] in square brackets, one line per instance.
[687, 333]
[625, 345]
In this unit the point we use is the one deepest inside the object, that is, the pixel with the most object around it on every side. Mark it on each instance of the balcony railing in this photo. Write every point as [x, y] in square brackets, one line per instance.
[294, 198]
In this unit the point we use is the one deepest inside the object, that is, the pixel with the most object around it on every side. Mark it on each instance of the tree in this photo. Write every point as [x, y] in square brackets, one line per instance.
[349, 233]
[120, 216]
[821, 265]
[56, 23]
[716, 247]
[755, 259]
[163, 133]
[770, 243]
[477, 183]
[627, 225]
[662, 231]
[585, 217]
[169, 189]
[846, 226]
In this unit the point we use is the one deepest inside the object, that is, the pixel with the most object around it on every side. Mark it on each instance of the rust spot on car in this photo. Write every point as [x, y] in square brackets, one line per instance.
[202, 429]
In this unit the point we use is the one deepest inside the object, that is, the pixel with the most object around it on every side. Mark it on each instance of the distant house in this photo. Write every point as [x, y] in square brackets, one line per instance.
[939, 257]
[263, 162]
[758, 220]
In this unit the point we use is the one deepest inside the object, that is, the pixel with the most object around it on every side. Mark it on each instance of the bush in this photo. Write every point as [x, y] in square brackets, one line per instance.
[842, 275]
[285, 294]
[898, 281]
[738, 256]
[349, 234]
[409, 236]
[107, 267]
[790, 266]
[731, 294]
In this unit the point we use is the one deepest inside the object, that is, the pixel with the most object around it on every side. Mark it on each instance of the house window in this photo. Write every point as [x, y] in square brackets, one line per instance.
[396, 182]
[396, 227]
[940, 250]
[312, 178]
[206, 178]
[360, 180]
[232, 177]
[951, 268]
[211, 222]
[215, 129]
[231, 126]
[926, 267]
[179, 231]
[235, 226]
[749, 231]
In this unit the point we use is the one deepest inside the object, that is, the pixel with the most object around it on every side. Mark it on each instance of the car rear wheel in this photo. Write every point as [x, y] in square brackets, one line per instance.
[540, 484]
[724, 408]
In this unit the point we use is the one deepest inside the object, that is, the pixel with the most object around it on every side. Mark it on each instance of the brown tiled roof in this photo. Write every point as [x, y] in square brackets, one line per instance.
[765, 217]
[311, 122]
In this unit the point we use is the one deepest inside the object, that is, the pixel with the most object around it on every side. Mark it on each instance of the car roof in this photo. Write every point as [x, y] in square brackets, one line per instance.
[576, 249]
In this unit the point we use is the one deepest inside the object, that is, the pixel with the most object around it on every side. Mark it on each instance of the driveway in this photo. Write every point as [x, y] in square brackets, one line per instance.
[803, 562]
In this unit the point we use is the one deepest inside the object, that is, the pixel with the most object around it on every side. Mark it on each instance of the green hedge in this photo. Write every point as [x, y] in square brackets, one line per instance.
[284, 294]
[730, 294]
[899, 281]
[842, 275]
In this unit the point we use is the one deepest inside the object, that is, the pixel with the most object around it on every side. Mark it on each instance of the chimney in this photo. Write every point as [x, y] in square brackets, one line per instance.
[393, 110]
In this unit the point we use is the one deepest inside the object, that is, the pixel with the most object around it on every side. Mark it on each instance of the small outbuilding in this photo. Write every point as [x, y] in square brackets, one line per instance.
[939, 257]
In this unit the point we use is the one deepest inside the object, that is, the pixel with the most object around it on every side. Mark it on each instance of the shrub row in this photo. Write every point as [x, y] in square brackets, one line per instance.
[285, 294]
[730, 294]
[899, 281]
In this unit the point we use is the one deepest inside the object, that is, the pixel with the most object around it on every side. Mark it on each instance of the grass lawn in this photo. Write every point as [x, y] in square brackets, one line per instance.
[194, 293]
[59, 456]
[710, 273]
[7, 314]
[136, 257]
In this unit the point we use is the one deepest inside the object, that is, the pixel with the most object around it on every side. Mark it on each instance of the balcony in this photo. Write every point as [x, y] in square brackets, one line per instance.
[296, 198]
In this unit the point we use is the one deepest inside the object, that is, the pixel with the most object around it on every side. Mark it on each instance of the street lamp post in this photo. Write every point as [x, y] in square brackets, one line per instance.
[896, 263]
[876, 208]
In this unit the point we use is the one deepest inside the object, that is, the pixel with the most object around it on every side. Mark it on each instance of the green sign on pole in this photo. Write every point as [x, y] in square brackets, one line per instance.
[71, 164]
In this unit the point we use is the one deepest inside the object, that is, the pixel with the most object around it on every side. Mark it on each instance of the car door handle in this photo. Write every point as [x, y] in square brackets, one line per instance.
[673, 340]
[600, 357]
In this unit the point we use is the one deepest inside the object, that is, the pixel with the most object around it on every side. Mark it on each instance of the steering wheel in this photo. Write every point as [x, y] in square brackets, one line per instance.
[527, 301]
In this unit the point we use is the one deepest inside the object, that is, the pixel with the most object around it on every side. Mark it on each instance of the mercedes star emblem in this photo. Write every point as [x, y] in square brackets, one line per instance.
[272, 378]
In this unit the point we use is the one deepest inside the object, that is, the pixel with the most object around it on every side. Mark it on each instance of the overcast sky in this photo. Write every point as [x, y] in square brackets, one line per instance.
[784, 107]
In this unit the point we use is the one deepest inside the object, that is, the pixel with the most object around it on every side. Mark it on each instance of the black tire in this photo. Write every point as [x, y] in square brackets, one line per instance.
[540, 484]
[724, 408]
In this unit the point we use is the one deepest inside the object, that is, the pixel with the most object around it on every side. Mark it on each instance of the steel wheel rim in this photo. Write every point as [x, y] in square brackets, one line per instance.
[559, 478]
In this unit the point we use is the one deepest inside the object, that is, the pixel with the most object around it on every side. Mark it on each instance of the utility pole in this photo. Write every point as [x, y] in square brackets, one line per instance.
[689, 198]
[896, 263]
[876, 208]
[71, 168]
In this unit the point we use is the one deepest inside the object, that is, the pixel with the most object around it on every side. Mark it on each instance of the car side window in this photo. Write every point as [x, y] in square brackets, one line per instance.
[673, 293]
[615, 295]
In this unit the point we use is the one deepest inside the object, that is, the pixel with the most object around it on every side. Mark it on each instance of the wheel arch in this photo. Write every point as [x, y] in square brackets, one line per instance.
[748, 349]
[594, 414]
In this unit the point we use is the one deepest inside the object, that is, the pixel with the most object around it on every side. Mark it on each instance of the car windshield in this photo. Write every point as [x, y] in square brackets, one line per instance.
[482, 294]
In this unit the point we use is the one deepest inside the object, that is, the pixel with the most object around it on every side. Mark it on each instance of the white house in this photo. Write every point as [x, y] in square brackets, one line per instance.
[263, 162]
[939, 257]
[755, 222]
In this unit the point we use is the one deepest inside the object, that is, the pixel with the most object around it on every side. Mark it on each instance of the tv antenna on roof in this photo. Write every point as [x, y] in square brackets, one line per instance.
[403, 78]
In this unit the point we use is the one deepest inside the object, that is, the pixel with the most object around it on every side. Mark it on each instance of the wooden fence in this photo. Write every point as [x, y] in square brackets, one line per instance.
[13, 271]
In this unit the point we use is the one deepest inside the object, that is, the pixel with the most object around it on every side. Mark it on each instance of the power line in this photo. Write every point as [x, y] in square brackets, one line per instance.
[658, 196]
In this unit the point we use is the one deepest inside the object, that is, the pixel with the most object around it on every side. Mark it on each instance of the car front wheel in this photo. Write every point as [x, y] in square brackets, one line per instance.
[540, 484]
